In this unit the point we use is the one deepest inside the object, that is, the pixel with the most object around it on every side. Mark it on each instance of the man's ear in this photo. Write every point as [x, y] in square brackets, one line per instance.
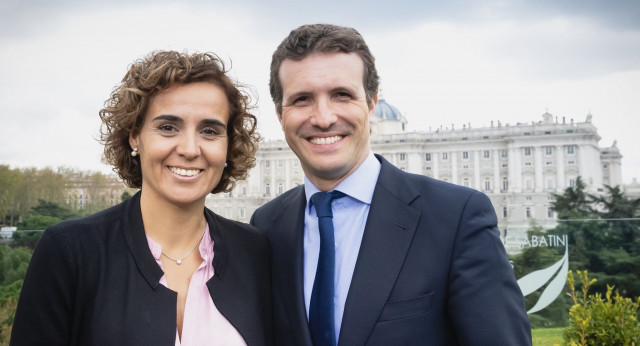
[372, 106]
[279, 114]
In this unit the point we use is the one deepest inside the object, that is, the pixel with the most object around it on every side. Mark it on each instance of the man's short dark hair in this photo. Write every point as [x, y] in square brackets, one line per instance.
[322, 38]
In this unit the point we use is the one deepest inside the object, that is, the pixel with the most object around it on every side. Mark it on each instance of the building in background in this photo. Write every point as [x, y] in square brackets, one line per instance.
[94, 191]
[517, 166]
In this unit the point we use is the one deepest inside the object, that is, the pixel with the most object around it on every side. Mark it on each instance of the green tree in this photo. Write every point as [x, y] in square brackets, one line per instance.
[46, 208]
[618, 209]
[13, 266]
[10, 181]
[125, 196]
[536, 258]
[46, 214]
[573, 203]
[597, 321]
[45, 184]
[599, 240]
[28, 239]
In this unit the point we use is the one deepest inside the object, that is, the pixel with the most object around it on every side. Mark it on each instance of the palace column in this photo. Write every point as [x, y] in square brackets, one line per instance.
[454, 167]
[476, 170]
[496, 171]
[537, 164]
[560, 182]
[436, 164]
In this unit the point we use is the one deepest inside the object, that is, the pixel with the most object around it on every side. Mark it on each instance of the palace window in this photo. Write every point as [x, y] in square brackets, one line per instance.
[486, 154]
[445, 156]
[550, 184]
[427, 157]
[504, 153]
[548, 150]
[571, 149]
[527, 151]
[465, 154]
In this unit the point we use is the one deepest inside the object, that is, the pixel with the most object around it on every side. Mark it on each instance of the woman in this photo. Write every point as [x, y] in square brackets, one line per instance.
[160, 268]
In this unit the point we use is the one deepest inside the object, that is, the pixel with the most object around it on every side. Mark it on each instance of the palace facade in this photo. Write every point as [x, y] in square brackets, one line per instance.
[517, 166]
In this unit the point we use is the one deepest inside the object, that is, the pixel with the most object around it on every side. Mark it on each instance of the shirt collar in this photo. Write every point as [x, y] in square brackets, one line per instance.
[359, 184]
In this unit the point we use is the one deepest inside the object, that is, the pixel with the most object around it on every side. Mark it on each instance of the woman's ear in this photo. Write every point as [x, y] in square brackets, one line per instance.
[133, 139]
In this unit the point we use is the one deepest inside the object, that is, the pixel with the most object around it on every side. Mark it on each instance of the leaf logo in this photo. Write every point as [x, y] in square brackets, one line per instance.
[533, 281]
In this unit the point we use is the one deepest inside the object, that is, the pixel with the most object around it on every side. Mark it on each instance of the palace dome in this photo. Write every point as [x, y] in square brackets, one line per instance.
[386, 111]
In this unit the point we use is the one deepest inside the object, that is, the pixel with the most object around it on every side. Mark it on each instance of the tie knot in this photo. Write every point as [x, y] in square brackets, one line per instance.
[322, 202]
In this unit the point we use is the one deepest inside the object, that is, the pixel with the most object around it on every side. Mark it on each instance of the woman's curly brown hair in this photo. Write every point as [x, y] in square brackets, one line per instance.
[124, 112]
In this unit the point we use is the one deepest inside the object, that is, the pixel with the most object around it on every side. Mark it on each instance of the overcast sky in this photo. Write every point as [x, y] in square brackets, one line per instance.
[440, 63]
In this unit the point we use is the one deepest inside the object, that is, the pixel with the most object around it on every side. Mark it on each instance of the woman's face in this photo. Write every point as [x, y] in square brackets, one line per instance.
[183, 143]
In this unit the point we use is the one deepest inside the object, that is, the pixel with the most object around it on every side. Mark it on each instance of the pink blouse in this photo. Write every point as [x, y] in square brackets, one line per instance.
[203, 324]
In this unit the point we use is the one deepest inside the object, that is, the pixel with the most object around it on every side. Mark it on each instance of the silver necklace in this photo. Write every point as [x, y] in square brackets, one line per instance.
[179, 260]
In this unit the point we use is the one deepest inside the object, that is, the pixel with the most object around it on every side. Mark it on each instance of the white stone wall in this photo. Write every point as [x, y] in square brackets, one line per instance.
[518, 167]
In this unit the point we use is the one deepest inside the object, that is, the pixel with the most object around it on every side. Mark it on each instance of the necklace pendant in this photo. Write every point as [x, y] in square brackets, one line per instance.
[179, 261]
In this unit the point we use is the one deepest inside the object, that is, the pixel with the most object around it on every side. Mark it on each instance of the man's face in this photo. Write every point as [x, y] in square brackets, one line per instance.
[325, 115]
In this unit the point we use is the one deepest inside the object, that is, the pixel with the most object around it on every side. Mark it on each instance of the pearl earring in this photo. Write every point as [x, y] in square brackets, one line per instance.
[134, 153]
[225, 165]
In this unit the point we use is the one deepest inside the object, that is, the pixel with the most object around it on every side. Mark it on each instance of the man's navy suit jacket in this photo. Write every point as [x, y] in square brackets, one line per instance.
[431, 270]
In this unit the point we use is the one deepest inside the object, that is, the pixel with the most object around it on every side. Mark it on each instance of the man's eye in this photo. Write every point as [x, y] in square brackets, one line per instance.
[302, 100]
[343, 96]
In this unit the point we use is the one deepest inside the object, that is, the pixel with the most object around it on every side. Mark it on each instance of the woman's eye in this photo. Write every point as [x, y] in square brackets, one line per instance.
[210, 131]
[166, 128]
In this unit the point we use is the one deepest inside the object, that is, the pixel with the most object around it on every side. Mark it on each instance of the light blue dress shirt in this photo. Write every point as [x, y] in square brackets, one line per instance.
[349, 218]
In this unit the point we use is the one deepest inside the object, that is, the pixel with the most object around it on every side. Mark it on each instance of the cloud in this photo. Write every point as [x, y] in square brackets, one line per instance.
[440, 62]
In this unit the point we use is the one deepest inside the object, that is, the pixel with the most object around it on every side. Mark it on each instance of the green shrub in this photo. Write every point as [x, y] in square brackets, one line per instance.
[597, 321]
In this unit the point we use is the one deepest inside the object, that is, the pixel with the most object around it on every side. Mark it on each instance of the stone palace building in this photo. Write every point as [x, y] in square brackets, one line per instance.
[517, 166]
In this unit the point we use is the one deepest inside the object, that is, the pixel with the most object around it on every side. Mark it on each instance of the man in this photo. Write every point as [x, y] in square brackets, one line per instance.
[411, 260]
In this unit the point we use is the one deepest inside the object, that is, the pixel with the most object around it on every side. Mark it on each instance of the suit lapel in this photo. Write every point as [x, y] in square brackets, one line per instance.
[287, 240]
[388, 233]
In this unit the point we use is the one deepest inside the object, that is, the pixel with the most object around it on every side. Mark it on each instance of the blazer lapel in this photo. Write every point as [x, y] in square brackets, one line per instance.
[286, 239]
[388, 233]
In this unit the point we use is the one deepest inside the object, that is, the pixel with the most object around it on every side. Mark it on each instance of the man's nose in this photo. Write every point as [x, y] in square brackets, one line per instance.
[323, 114]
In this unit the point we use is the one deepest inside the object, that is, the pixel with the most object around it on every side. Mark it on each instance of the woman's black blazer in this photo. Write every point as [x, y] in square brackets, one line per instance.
[94, 281]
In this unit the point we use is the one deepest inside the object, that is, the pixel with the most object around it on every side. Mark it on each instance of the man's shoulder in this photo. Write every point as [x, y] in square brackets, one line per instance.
[280, 201]
[396, 178]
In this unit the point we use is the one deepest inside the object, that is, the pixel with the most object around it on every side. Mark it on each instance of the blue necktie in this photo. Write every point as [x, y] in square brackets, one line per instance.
[321, 314]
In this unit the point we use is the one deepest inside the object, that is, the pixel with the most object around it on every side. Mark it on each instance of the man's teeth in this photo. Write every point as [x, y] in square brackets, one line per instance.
[325, 140]
[184, 172]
